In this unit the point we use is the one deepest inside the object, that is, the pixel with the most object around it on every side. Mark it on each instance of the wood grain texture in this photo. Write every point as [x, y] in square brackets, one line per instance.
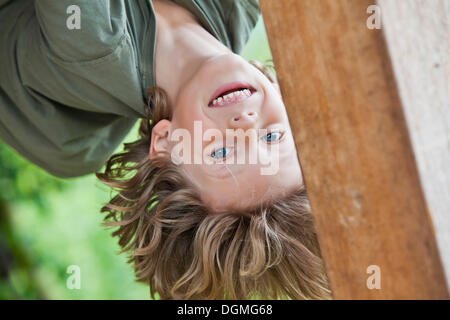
[418, 37]
[354, 148]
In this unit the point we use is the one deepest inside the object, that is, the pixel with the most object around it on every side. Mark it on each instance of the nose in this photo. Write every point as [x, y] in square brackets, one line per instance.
[243, 120]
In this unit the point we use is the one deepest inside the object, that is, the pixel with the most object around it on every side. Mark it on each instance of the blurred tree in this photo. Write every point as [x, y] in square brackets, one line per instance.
[19, 181]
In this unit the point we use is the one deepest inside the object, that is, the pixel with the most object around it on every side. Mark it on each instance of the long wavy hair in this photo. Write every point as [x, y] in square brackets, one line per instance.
[184, 251]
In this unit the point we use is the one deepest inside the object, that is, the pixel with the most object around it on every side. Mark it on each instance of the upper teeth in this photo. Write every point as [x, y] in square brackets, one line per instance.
[245, 92]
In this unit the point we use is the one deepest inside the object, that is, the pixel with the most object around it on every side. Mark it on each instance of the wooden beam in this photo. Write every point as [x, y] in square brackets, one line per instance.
[418, 37]
[354, 148]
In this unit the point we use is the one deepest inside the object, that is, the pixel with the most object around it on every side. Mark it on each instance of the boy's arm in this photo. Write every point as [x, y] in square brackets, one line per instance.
[67, 97]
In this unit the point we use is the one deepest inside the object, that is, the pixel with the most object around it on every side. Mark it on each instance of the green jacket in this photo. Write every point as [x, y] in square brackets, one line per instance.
[69, 97]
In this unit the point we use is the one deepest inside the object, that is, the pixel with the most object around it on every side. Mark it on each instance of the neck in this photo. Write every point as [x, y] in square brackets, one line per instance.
[182, 46]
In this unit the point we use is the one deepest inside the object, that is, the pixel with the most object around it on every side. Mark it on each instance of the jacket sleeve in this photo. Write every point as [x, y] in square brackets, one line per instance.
[241, 20]
[81, 30]
[68, 97]
[231, 21]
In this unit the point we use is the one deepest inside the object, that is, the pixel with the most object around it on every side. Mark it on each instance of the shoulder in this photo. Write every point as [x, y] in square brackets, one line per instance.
[231, 21]
[244, 12]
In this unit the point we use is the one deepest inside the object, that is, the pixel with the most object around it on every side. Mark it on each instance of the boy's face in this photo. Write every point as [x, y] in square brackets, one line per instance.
[236, 149]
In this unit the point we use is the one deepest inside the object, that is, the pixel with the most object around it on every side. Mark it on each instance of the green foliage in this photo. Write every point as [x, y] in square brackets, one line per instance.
[19, 179]
[257, 47]
[48, 224]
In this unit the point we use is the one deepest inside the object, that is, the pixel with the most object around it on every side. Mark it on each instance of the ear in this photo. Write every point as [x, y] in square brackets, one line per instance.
[160, 138]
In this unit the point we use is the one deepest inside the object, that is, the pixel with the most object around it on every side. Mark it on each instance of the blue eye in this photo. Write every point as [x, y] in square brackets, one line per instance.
[272, 137]
[221, 153]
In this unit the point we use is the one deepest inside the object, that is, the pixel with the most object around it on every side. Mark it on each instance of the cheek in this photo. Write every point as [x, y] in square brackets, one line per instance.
[274, 107]
[293, 166]
[187, 108]
[185, 116]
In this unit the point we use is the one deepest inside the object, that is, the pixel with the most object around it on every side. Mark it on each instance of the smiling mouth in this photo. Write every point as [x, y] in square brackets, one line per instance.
[230, 94]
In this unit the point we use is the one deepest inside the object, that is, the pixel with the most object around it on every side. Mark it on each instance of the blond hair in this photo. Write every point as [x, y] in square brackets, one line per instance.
[183, 251]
